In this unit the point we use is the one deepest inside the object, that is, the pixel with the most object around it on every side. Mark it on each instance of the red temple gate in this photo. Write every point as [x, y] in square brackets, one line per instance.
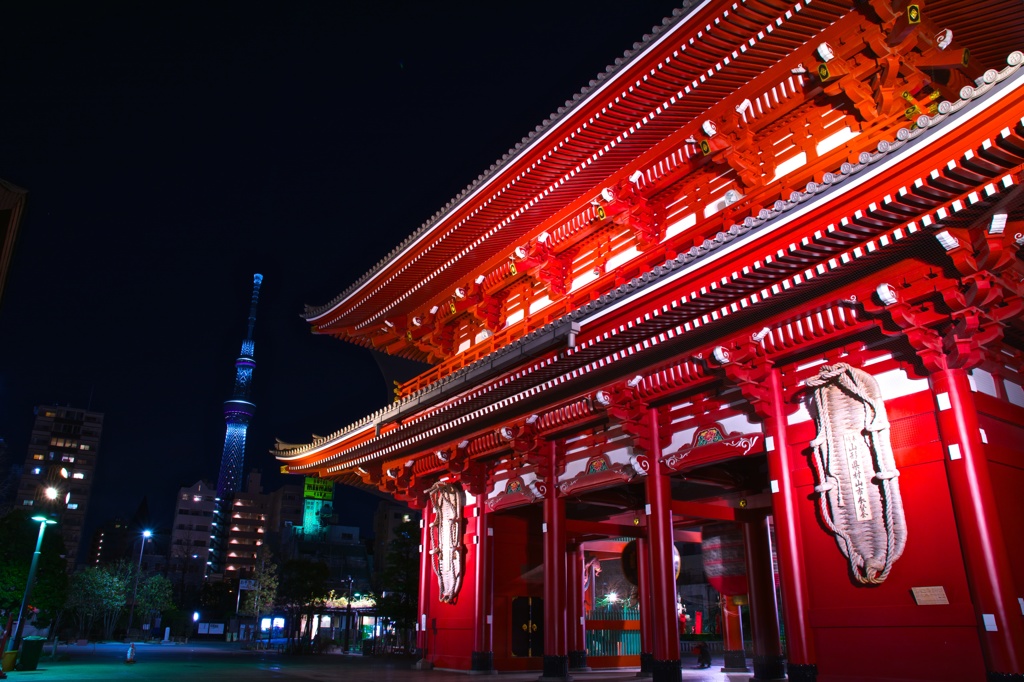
[765, 272]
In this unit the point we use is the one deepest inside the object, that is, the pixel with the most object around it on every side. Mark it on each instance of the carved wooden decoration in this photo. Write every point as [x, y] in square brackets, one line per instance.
[601, 473]
[713, 444]
[446, 530]
[516, 493]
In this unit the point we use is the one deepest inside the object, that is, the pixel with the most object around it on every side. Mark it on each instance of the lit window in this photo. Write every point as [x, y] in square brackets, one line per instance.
[28, 503]
[73, 505]
[83, 446]
[37, 470]
[78, 474]
[38, 456]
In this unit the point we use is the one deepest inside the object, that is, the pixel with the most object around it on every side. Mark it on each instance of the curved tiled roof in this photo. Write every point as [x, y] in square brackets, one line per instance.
[833, 182]
[704, 62]
[562, 112]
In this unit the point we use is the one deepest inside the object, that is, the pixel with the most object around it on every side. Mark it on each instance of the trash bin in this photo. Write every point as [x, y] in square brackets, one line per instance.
[31, 650]
[7, 663]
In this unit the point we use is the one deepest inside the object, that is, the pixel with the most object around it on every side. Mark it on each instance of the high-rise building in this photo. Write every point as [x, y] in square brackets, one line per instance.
[386, 521]
[109, 543]
[239, 410]
[60, 467]
[191, 535]
[245, 519]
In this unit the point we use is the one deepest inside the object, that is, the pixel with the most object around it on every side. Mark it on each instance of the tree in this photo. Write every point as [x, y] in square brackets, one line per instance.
[261, 599]
[156, 594]
[217, 600]
[97, 593]
[399, 583]
[303, 589]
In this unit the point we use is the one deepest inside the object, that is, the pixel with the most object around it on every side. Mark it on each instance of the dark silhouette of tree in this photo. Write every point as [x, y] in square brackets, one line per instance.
[302, 590]
[217, 600]
[399, 583]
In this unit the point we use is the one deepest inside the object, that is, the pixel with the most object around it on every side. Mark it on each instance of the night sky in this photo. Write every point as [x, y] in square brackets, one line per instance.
[171, 150]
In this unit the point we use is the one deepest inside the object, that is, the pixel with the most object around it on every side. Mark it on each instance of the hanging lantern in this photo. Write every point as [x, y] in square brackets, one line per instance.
[630, 567]
[724, 558]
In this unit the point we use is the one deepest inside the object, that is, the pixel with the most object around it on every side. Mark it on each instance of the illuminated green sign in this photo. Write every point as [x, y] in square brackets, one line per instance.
[316, 516]
[318, 489]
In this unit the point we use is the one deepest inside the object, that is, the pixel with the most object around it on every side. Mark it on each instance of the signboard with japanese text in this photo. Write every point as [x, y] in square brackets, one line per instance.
[318, 489]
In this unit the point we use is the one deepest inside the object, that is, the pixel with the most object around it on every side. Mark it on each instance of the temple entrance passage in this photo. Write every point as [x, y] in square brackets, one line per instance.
[527, 626]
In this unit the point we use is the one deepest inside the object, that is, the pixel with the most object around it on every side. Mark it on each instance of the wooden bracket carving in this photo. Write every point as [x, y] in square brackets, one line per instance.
[713, 444]
[599, 472]
[515, 494]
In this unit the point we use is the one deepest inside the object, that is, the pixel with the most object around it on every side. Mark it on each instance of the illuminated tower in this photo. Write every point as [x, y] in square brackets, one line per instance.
[239, 410]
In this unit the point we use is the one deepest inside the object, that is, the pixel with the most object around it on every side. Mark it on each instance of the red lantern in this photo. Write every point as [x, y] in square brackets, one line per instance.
[724, 558]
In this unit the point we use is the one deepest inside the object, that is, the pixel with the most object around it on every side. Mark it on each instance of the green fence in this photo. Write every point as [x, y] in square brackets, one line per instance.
[603, 640]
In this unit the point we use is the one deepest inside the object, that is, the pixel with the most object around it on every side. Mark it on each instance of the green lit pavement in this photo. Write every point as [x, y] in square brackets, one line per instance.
[229, 663]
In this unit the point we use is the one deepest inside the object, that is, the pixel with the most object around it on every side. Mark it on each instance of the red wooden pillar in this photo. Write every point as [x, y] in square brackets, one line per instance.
[423, 611]
[576, 616]
[483, 628]
[764, 610]
[1000, 627]
[643, 579]
[799, 642]
[556, 647]
[665, 661]
[732, 636]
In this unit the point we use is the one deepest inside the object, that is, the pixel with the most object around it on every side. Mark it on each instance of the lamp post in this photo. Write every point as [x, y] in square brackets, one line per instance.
[43, 521]
[348, 615]
[146, 534]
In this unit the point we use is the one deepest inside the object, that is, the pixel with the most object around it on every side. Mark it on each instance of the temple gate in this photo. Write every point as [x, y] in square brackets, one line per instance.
[763, 276]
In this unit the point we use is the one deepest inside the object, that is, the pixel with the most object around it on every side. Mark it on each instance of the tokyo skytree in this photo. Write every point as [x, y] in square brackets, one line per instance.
[239, 410]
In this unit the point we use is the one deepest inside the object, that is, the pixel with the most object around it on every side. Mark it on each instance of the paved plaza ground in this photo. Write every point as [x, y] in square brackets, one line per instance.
[228, 662]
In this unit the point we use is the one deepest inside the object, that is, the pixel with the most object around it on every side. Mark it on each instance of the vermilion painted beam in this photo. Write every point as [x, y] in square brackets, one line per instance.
[703, 511]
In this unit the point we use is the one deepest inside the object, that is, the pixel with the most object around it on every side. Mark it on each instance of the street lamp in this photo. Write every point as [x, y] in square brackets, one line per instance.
[146, 534]
[43, 521]
[348, 615]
